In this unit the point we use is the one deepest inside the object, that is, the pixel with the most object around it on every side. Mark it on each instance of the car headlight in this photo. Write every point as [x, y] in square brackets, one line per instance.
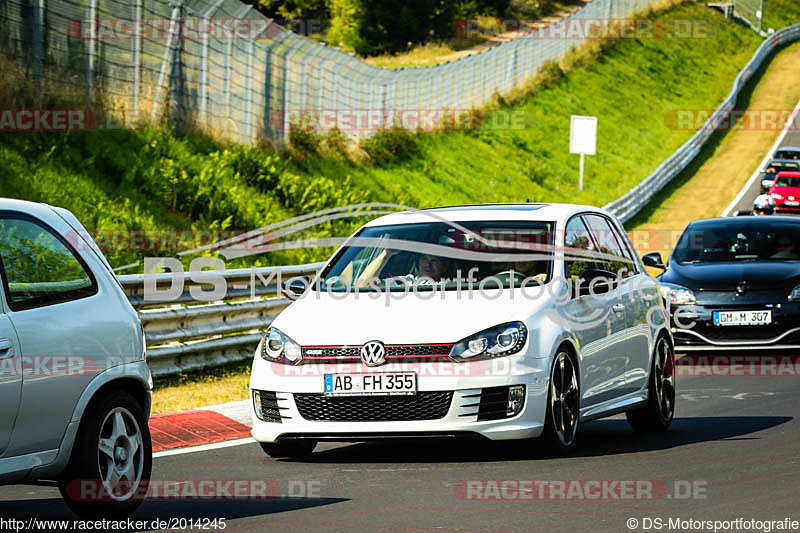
[499, 341]
[279, 348]
[776, 196]
[794, 296]
[677, 295]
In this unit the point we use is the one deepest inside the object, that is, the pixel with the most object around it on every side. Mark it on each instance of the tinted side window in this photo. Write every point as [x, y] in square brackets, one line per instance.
[577, 239]
[38, 266]
[610, 243]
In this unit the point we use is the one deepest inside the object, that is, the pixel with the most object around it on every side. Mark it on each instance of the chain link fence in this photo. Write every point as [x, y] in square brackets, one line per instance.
[224, 67]
[751, 11]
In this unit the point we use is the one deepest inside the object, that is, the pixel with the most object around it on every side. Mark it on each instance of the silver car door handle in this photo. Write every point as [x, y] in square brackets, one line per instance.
[5, 348]
[618, 308]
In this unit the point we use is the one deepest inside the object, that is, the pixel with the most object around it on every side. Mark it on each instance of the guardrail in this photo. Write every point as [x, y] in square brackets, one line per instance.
[187, 338]
[183, 338]
[631, 203]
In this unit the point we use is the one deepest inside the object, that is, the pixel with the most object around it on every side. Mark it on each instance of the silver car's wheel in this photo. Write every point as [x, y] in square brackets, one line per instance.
[120, 454]
[664, 379]
[563, 409]
[657, 414]
[109, 471]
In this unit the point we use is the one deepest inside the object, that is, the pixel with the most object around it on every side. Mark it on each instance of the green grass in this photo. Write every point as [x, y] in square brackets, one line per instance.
[150, 179]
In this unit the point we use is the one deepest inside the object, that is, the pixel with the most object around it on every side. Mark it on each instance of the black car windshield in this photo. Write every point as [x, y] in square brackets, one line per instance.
[787, 181]
[787, 154]
[443, 255]
[716, 243]
[782, 166]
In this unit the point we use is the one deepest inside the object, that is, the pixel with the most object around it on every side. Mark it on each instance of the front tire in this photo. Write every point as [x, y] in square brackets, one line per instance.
[657, 414]
[563, 405]
[292, 449]
[109, 470]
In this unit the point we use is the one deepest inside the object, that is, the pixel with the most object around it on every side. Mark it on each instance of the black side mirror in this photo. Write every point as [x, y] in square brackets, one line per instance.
[595, 281]
[295, 287]
[653, 259]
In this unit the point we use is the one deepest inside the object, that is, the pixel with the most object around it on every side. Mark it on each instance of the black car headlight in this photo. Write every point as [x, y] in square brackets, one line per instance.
[277, 347]
[499, 341]
[794, 296]
[677, 295]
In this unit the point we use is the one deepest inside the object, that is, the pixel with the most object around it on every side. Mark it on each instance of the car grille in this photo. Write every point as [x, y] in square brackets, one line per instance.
[270, 410]
[735, 334]
[428, 405]
[494, 404]
[404, 352]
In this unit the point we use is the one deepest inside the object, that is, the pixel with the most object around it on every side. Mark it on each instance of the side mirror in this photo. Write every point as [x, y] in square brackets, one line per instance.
[653, 259]
[295, 287]
[595, 281]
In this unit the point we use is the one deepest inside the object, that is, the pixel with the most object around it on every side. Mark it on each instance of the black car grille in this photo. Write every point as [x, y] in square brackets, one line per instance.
[396, 352]
[270, 410]
[736, 333]
[429, 405]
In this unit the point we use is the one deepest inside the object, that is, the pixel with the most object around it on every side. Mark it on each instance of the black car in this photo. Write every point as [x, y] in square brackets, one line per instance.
[734, 283]
[771, 171]
[787, 152]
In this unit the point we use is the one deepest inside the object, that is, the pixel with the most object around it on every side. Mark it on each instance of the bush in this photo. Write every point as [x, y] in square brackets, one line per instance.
[391, 145]
[335, 143]
[303, 141]
[373, 27]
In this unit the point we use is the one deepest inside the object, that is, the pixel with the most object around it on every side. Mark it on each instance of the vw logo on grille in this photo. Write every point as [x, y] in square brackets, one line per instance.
[373, 353]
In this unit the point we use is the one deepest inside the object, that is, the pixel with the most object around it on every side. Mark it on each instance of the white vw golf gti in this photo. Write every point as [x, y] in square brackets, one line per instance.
[509, 321]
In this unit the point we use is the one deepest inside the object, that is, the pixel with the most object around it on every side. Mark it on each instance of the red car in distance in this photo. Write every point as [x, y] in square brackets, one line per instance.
[786, 192]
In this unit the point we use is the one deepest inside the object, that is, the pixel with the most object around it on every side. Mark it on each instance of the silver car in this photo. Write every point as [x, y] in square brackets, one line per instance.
[75, 390]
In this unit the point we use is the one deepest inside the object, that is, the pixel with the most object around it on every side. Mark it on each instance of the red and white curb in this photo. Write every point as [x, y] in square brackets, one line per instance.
[212, 427]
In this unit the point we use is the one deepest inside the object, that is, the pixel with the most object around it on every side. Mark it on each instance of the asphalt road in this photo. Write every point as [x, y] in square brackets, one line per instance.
[746, 203]
[732, 452]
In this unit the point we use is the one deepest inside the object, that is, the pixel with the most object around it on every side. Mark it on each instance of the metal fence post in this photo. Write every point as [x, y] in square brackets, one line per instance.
[285, 95]
[91, 50]
[203, 111]
[226, 80]
[248, 90]
[137, 56]
[38, 45]
[168, 55]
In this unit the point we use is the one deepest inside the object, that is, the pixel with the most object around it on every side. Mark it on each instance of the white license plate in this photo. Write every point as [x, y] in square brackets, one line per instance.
[791, 203]
[372, 384]
[742, 318]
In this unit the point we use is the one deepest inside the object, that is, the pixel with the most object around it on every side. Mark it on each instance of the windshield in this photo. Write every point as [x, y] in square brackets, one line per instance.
[787, 181]
[776, 167]
[707, 243]
[787, 154]
[441, 255]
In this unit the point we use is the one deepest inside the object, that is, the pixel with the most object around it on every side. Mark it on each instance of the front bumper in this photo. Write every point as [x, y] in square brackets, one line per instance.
[780, 205]
[465, 381]
[782, 333]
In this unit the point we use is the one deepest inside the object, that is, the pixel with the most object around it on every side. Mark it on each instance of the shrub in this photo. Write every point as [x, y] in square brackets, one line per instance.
[303, 141]
[335, 143]
[391, 145]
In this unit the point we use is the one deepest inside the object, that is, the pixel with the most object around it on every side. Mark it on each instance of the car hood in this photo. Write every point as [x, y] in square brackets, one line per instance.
[322, 318]
[786, 191]
[725, 276]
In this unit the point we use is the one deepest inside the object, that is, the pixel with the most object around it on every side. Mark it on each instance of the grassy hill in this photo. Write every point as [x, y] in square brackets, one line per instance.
[149, 179]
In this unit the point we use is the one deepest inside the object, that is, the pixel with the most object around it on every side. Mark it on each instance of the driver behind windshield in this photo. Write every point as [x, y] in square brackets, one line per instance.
[785, 249]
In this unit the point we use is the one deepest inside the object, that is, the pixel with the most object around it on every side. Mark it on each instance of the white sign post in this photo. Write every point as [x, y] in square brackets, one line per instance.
[582, 138]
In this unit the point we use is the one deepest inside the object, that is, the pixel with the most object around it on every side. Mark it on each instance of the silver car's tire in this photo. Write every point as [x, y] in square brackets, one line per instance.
[111, 462]
[657, 414]
[563, 404]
